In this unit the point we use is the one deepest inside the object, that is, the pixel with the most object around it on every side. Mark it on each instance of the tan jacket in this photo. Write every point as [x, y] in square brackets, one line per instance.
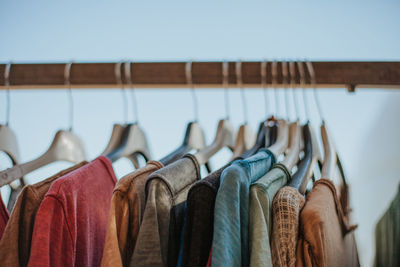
[126, 214]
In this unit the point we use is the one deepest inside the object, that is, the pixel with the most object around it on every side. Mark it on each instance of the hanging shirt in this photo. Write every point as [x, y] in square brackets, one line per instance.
[176, 224]
[126, 214]
[199, 220]
[285, 213]
[71, 222]
[4, 216]
[165, 188]
[231, 214]
[387, 236]
[262, 193]
[325, 237]
[15, 246]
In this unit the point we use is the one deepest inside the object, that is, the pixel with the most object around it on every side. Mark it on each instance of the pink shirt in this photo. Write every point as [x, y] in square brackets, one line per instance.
[71, 222]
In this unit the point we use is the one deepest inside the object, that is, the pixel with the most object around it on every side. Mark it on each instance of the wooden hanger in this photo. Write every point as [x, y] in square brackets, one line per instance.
[245, 138]
[66, 146]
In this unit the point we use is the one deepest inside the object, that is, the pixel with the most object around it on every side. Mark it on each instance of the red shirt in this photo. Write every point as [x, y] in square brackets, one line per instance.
[4, 216]
[71, 222]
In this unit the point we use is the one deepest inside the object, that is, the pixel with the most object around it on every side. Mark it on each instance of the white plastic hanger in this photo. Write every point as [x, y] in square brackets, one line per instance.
[225, 136]
[66, 146]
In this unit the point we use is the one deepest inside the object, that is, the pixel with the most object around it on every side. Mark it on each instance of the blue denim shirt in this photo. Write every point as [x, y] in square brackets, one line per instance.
[231, 214]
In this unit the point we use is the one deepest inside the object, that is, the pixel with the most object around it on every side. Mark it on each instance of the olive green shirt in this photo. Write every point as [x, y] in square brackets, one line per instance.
[262, 193]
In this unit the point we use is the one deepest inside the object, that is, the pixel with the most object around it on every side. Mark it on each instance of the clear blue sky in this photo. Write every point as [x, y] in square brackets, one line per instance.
[49, 31]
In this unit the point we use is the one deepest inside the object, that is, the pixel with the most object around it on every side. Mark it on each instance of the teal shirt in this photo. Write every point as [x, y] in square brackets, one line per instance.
[231, 213]
[262, 194]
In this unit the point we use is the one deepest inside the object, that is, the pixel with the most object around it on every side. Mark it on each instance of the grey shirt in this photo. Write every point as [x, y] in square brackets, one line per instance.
[165, 188]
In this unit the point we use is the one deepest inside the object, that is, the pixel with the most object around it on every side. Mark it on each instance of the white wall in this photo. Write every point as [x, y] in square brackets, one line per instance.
[365, 125]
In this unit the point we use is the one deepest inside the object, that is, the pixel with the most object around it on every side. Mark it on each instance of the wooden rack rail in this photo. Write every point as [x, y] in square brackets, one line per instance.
[348, 75]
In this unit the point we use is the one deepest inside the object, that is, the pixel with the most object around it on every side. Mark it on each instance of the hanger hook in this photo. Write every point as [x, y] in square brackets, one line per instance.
[189, 81]
[263, 73]
[285, 82]
[118, 78]
[302, 73]
[239, 81]
[225, 82]
[67, 82]
[292, 73]
[313, 79]
[274, 74]
[128, 77]
[7, 85]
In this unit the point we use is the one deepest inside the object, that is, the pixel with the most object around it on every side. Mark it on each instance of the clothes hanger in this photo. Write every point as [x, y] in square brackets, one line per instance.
[312, 154]
[9, 144]
[330, 155]
[66, 146]
[245, 138]
[293, 151]
[282, 140]
[194, 136]
[267, 129]
[225, 135]
[133, 142]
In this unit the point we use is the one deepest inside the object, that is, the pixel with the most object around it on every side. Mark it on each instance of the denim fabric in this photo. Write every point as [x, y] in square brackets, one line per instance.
[231, 214]
[262, 194]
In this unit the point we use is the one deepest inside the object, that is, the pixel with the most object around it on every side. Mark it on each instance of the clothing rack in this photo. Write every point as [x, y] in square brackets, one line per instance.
[328, 74]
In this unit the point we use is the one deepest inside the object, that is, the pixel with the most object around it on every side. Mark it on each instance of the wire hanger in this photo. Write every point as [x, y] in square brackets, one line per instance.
[293, 150]
[133, 141]
[66, 146]
[330, 156]
[311, 152]
[245, 138]
[225, 135]
[194, 136]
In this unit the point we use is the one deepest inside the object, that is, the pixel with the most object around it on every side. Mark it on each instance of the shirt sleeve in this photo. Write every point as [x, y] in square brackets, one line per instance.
[52, 243]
